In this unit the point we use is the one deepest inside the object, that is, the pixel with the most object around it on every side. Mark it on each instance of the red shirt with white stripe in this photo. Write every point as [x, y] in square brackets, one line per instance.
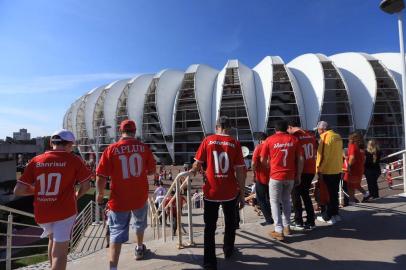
[221, 153]
[281, 149]
[127, 163]
[261, 172]
[308, 145]
[54, 175]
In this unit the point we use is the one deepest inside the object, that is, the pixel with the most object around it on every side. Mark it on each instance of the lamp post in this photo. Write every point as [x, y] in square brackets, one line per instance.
[392, 7]
[96, 149]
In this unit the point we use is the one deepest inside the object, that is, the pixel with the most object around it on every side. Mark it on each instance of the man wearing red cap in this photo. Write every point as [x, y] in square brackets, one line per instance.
[51, 177]
[127, 163]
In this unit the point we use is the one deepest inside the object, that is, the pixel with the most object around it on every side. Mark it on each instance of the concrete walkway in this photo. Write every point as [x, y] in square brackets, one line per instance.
[371, 236]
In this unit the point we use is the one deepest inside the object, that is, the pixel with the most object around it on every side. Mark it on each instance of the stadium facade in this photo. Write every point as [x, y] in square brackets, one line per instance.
[175, 109]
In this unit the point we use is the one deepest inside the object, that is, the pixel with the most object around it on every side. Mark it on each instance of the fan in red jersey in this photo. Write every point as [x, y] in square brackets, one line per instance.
[224, 186]
[308, 145]
[261, 177]
[127, 163]
[51, 177]
[284, 155]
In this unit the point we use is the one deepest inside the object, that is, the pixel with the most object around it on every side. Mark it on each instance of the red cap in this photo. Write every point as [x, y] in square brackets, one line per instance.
[127, 125]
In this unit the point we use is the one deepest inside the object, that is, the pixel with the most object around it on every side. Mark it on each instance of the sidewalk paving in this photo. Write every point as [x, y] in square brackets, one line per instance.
[371, 236]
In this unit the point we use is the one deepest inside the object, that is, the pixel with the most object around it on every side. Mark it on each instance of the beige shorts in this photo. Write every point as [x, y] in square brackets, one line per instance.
[61, 229]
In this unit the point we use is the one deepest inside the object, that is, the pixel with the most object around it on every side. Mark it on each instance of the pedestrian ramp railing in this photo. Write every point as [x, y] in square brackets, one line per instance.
[169, 209]
[20, 236]
[19, 233]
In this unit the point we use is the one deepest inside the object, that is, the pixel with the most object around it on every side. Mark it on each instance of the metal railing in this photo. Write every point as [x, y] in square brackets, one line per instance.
[83, 221]
[11, 234]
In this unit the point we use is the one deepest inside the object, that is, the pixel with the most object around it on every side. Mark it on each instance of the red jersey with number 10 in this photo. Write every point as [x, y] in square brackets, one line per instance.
[54, 175]
[127, 163]
[308, 145]
[221, 153]
[281, 149]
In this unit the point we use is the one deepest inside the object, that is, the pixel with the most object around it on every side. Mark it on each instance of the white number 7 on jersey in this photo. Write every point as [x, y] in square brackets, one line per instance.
[285, 156]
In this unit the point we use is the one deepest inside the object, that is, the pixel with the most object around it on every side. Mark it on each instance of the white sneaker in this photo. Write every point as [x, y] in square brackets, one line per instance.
[332, 221]
[337, 218]
[321, 219]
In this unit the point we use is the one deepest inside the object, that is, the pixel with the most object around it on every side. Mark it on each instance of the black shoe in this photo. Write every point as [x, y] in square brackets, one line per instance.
[309, 225]
[209, 267]
[140, 252]
[266, 223]
[365, 199]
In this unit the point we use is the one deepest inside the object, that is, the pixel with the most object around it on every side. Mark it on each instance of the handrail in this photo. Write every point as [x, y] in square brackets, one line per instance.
[394, 154]
[15, 211]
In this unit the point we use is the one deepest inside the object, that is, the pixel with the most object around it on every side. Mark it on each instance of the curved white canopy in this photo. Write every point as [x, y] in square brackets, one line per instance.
[89, 109]
[361, 82]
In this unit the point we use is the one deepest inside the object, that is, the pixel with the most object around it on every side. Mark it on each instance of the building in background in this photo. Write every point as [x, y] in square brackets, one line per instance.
[21, 135]
[174, 110]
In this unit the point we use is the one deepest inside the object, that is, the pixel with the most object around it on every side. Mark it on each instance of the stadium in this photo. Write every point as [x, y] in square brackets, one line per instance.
[175, 109]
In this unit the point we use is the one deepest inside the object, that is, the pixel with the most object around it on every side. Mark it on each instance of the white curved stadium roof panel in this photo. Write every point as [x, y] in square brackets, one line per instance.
[263, 74]
[361, 82]
[91, 100]
[248, 90]
[218, 90]
[392, 62]
[205, 80]
[309, 75]
[74, 114]
[136, 98]
[168, 85]
[113, 93]
[301, 107]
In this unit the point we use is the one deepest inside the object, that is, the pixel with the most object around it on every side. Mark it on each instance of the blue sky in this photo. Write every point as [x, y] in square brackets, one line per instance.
[52, 52]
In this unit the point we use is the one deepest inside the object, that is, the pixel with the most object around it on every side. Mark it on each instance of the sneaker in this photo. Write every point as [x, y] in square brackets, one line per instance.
[277, 236]
[332, 221]
[228, 253]
[287, 231]
[265, 223]
[140, 252]
[309, 225]
[297, 226]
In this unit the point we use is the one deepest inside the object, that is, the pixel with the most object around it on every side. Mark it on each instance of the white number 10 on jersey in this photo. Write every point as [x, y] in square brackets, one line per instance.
[221, 162]
[131, 165]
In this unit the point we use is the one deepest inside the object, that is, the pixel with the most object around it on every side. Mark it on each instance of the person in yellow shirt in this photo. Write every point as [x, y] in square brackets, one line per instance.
[329, 165]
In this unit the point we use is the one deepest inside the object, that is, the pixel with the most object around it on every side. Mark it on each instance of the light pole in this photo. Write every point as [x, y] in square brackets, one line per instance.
[96, 149]
[392, 7]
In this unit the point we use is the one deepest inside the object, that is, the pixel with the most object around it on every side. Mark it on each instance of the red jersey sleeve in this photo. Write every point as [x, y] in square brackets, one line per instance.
[265, 150]
[103, 168]
[299, 151]
[351, 150]
[28, 177]
[83, 173]
[201, 153]
[256, 158]
[239, 160]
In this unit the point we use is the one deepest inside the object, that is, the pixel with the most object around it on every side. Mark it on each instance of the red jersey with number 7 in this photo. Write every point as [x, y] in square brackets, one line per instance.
[281, 149]
[221, 153]
[308, 145]
[127, 163]
[54, 175]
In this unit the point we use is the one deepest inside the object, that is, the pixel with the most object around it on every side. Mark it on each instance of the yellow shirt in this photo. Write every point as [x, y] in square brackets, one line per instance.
[330, 153]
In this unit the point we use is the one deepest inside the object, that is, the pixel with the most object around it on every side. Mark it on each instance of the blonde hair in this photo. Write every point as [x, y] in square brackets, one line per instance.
[373, 148]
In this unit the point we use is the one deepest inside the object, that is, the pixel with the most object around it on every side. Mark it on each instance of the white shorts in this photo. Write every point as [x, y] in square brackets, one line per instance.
[60, 229]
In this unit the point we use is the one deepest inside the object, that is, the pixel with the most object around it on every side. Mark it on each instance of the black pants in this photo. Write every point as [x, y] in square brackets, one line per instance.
[332, 182]
[262, 192]
[346, 198]
[372, 180]
[301, 192]
[211, 210]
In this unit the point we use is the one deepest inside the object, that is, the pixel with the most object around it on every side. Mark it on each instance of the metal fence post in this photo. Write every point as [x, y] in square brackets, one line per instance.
[163, 219]
[189, 210]
[9, 241]
[178, 213]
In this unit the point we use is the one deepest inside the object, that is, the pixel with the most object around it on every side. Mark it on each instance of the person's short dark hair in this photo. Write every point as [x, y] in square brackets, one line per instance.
[224, 122]
[293, 123]
[281, 125]
[261, 136]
